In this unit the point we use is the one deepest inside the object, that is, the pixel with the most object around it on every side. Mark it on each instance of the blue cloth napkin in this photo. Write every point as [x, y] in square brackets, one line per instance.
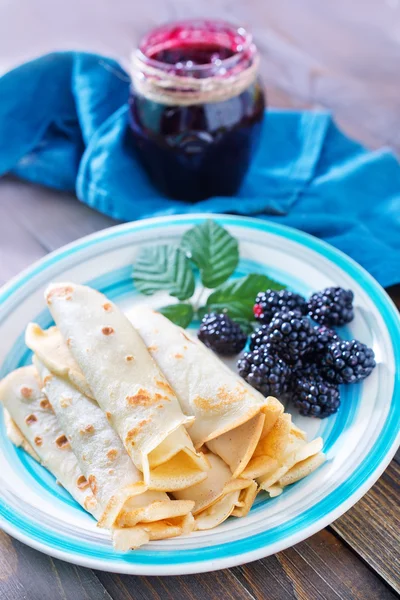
[63, 121]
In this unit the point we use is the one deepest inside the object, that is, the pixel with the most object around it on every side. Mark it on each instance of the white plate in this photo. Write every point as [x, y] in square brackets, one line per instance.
[359, 441]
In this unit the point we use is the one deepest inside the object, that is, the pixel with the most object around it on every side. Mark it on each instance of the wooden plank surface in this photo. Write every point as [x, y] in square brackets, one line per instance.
[320, 568]
[28, 574]
[372, 526]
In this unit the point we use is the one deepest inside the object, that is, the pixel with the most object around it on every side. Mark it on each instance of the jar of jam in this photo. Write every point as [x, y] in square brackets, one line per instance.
[196, 107]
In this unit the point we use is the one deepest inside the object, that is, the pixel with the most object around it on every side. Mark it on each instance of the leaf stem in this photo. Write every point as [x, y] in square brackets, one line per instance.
[198, 301]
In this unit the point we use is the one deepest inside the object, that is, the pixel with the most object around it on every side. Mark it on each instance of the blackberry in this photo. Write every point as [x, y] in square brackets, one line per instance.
[291, 335]
[221, 334]
[270, 302]
[303, 367]
[259, 338]
[265, 372]
[313, 396]
[347, 361]
[332, 307]
[324, 337]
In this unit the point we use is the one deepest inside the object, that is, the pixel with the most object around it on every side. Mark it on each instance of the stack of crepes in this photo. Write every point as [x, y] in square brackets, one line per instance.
[143, 425]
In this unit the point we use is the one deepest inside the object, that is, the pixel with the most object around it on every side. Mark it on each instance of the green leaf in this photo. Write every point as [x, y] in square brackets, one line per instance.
[180, 314]
[201, 311]
[237, 296]
[245, 325]
[163, 268]
[213, 250]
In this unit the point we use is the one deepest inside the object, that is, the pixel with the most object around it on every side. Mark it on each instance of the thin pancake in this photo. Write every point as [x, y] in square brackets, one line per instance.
[52, 351]
[219, 495]
[302, 469]
[115, 481]
[17, 438]
[219, 399]
[130, 538]
[127, 537]
[208, 390]
[127, 384]
[33, 414]
[238, 446]
[283, 448]
[32, 422]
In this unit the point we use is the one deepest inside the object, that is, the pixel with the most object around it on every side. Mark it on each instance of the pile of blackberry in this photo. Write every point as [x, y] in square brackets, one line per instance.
[296, 354]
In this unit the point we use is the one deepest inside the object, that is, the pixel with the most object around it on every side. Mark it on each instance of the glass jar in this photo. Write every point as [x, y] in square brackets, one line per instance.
[196, 107]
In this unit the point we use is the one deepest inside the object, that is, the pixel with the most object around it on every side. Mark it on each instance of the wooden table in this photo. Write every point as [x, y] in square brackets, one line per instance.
[343, 56]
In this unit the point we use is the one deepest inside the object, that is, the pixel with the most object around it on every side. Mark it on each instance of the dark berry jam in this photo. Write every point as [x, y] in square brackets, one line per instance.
[189, 55]
[196, 142]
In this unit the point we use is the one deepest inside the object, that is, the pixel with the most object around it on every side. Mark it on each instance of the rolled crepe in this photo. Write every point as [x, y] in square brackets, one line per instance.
[282, 449]
[113, 478]
[50, 348]
[282, 455]
[219, 496]
[237, 447]
[207, 389]
[33, 414]
[126, 538]
[128, 385]
[278, 425]
[31, 423]
[301, 469]
[16, 436]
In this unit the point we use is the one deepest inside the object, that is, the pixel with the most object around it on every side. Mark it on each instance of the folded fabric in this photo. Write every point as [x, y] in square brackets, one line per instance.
[63, 124]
